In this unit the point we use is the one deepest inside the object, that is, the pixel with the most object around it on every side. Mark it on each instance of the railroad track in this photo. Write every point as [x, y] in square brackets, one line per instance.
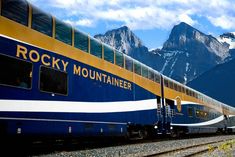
[155, 147]
[190, 151]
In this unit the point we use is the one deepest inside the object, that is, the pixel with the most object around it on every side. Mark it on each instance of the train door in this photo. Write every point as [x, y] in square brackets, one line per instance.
[159, 115]
[167, 110]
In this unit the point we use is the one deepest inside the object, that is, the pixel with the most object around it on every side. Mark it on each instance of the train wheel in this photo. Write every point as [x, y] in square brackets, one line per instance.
[143, 134]
[174, 134]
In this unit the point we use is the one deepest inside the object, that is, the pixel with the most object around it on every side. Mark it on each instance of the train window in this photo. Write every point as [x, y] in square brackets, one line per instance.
[108, 54]
[175, 86]
[41, 22]
[183, 90]
[15, 72]
[166, 83]
[190, 111]
[179, 88]
[119, 60]
[197, 113]
[63, 32]
[144, 71]
[16, 10]
[96, 48]
[53, 81]
[151, 75]
[171, 84]
[129, 63]
[157, 77]
[81, 41]
[137, 68]
[187, 92]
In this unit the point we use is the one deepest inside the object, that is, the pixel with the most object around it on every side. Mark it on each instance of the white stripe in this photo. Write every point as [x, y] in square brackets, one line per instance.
[58, 120]
[188, 102]
[76, 107]
[210, 122]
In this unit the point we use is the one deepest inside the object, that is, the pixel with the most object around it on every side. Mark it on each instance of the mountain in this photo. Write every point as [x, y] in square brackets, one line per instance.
[185, 55]
[218, 82]
[124, 40]
[189, 52]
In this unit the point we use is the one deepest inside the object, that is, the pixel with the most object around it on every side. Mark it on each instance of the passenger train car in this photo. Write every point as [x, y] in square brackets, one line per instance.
[56, 81]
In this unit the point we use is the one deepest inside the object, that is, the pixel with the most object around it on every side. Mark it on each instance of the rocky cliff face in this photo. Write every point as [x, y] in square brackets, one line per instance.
[189, 52]
[123, 39]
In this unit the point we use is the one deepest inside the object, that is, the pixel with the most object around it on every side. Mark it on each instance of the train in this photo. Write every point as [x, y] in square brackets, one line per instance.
[59, 81]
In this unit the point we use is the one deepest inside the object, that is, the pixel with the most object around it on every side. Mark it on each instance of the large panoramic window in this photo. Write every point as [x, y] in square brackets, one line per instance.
[108, 54]
[157, 77]
[81, 41]
[53, 81]
[151, 75]
[166, 82]
[119, 59]
[96, 48]
[63, 32]
[42, 22]
[15, 72]
[145, 71]
[16, 10]
[137, 68]
[129, 63]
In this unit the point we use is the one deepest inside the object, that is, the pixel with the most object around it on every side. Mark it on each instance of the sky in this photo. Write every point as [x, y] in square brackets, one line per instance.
[150, 20]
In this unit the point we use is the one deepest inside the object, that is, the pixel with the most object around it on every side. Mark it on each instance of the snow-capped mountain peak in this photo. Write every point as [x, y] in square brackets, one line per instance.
[228, 38]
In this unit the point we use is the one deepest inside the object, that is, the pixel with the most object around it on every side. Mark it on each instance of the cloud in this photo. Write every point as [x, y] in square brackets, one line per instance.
[223, 22]
[142, 14]
[81, 22]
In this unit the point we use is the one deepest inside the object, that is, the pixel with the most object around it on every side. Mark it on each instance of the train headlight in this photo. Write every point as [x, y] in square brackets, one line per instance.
[155, 127]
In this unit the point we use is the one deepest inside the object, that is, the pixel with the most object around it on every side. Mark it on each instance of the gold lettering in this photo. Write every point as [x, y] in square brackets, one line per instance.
[43, 59]
[65, 64]
[98, 76]
[104, 76]
[76, 70]
[84, 72]
[55, 63]
[35, 54]
[125, 85]
[92, 76]
[129, 86]
[121, 83]
[108, 80]
[21, 50]
[116, 82]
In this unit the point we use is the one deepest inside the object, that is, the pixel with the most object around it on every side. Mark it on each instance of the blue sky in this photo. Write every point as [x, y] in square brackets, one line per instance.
[150, 20]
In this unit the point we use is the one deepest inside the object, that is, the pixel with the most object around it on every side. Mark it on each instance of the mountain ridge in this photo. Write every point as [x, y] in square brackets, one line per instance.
[184, 56]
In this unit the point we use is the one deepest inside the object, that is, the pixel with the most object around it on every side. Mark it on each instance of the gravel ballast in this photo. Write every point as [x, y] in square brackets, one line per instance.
[145, 149]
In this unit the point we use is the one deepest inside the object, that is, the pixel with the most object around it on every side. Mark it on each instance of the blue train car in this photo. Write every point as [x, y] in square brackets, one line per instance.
[56, 80]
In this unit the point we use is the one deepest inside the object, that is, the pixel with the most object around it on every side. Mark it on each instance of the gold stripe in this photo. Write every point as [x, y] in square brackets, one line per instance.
[30, 16]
